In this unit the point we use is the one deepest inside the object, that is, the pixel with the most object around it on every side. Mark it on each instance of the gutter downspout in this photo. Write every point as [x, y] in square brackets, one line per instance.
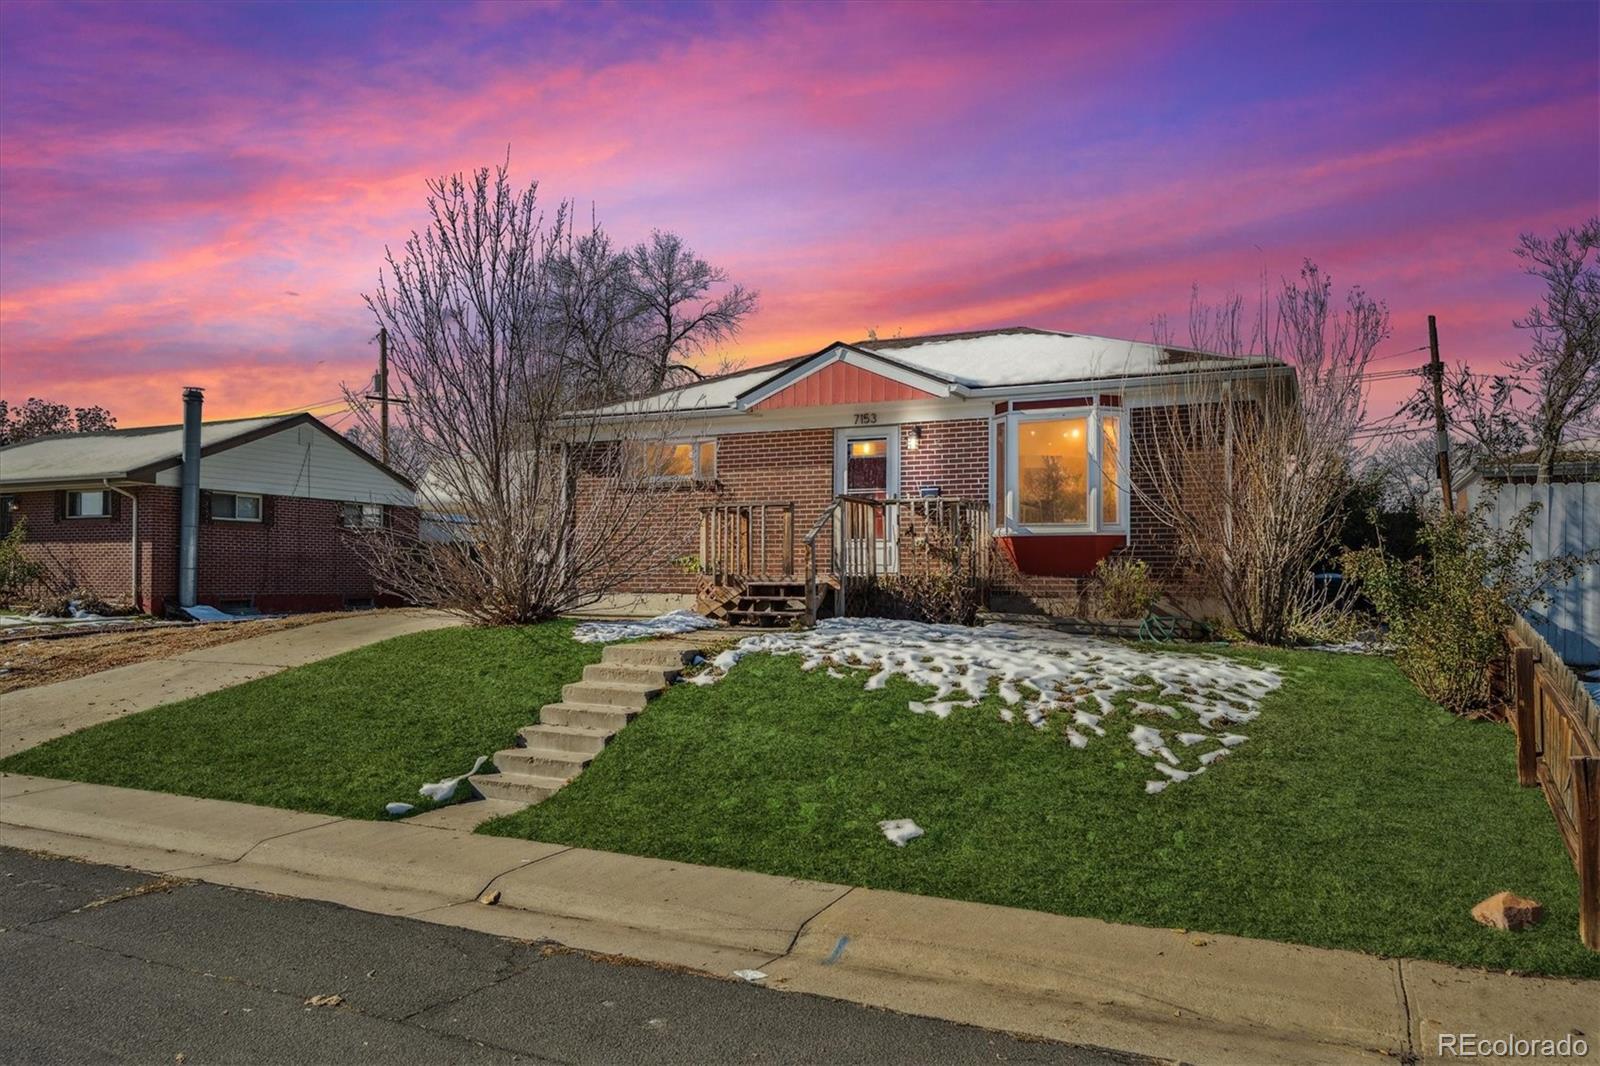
[189, 500]
[133, 540]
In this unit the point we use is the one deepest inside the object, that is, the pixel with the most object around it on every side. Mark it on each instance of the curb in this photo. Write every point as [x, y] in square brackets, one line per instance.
[1156, 992]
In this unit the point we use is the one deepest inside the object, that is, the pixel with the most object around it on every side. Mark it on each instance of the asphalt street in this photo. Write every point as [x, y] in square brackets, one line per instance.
[99, 964]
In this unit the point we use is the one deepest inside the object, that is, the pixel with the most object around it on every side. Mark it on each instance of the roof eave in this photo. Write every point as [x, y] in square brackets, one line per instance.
[1252, 370]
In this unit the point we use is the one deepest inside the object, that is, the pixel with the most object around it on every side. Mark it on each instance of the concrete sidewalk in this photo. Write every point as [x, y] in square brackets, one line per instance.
[31, 716]
[1156, 992]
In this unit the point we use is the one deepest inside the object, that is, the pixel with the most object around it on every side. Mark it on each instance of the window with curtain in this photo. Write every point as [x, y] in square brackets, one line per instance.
[95, 504]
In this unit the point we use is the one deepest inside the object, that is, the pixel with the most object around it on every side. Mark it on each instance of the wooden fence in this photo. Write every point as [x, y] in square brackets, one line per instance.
[1558, 749]
[1568, 521]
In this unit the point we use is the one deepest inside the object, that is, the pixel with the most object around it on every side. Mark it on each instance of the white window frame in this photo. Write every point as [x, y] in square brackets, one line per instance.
[236, 497]
[698, 475]
[1092, 415]
[105, 503]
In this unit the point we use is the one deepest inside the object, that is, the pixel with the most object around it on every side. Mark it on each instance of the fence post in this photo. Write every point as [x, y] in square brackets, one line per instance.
[1522, 683]
[1586, 789]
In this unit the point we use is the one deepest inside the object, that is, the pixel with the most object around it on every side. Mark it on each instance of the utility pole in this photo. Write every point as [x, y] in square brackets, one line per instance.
[380, 382]
[1442, 444]
[383, 388]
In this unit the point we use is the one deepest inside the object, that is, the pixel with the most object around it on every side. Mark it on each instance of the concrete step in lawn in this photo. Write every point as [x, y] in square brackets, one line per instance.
[572, 732]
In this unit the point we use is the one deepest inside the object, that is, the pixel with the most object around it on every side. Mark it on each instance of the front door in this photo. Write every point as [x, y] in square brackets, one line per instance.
[867, 463]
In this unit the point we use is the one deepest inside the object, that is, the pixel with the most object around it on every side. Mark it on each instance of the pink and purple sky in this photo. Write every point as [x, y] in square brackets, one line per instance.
[199, 194]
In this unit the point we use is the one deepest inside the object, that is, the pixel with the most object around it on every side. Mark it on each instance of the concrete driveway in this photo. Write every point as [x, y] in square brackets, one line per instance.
[31, 716]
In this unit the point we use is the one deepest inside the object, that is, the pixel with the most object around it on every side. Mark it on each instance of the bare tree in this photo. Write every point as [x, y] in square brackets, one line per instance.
[630, 320]
[1551, 392]
[1249, 472]
[547, 511]
[681, 320]
[40, 418]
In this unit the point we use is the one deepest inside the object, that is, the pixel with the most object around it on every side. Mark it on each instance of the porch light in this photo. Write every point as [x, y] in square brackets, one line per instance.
[913, 439]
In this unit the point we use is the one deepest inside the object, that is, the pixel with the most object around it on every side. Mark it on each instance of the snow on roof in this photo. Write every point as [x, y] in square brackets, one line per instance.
[1026, 356]
[707, 394]
[115, 454]
[995, 358]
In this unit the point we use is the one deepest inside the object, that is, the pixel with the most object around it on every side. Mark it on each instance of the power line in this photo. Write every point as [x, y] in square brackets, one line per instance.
[1396, 355]
[336, 401]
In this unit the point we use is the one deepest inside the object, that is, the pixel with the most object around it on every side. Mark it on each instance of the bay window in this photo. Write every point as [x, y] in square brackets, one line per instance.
[1060, 467]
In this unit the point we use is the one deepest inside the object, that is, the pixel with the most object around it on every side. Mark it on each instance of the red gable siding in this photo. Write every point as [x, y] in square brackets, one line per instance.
[839, 383]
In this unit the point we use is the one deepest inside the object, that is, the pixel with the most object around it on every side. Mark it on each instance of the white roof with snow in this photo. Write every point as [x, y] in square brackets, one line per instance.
[982, 360]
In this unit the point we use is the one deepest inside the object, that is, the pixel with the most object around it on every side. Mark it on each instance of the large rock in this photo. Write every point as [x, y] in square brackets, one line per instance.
[1506, 910]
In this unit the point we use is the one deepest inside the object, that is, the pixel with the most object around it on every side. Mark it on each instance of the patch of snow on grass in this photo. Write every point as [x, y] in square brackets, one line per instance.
[680, 621]
[1039, 672]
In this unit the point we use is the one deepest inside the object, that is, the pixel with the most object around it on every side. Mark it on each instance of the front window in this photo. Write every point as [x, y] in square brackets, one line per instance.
[235, 507]
[88, 504]
[680, 460]
[1059, 466]
[1110, 465]
[1053, 472]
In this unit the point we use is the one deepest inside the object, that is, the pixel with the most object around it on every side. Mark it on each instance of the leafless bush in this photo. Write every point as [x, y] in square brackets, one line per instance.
[1249, 472]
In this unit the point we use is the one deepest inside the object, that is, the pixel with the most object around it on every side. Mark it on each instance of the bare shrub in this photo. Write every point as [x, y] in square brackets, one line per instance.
[1249, 473]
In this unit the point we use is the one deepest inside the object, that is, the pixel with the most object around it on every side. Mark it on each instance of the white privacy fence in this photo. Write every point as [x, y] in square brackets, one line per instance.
[1568, 521]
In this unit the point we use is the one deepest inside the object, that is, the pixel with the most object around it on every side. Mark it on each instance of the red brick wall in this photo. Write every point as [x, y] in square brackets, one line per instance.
[751, 468]
[798, 465]
[94, 553]
[300, 560]
[952, 455]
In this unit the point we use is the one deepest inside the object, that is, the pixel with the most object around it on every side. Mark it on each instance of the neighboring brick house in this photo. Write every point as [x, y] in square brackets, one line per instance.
[279, 499]
[1039, 424]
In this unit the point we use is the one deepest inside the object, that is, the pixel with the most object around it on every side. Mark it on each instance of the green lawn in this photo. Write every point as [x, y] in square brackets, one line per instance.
[343, 736]
[1357, 816]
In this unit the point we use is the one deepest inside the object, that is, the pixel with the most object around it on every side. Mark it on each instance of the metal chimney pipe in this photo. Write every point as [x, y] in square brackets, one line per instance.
[189, 500]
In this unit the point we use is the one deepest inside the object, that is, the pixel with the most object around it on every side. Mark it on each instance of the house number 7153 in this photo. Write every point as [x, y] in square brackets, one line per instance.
[866, 418]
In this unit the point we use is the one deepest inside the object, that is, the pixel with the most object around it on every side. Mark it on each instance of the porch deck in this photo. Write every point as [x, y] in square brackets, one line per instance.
[756, 571]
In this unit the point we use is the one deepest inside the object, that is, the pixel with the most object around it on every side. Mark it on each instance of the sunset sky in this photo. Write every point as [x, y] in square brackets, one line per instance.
[199, 194]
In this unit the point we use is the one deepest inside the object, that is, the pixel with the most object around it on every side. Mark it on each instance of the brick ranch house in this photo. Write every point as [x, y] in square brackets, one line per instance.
[1038, 424]
[276, 498]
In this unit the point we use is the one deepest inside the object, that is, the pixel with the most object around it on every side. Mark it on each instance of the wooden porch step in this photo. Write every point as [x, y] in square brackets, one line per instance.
[777, 617]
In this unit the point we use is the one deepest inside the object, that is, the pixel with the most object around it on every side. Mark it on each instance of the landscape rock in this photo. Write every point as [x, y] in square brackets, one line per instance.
[1506, 910]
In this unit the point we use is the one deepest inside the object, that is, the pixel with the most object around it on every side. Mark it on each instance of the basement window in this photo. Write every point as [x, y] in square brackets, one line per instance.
[235, 507]
[89, 504]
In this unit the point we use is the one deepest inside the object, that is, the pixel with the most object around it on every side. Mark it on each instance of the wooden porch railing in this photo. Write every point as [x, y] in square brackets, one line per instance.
[930, 533]
[1558, 749]
[748, 539]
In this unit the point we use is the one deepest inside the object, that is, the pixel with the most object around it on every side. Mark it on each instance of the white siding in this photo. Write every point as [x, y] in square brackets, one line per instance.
[297, 461]
[1568, 522]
